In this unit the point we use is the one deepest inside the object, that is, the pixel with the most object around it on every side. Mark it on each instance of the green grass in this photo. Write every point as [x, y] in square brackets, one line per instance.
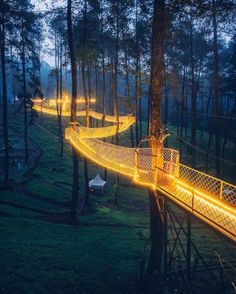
[41, 253]
[39, 258]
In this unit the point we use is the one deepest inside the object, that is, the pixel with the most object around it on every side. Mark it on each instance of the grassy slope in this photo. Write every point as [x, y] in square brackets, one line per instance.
[40, 253]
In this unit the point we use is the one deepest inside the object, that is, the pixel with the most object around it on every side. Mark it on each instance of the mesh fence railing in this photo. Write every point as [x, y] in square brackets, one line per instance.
[196, 191]
[103, 132]
[209, 185]
[120, 159]
[208, 198]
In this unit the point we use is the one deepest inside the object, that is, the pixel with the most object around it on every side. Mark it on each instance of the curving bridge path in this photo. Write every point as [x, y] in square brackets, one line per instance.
[208, 198]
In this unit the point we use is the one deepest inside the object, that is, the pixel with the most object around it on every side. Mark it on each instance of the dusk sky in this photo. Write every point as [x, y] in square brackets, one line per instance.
[47, 45]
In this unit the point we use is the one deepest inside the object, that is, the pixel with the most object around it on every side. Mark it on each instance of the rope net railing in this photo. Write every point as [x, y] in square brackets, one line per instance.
[210, 199]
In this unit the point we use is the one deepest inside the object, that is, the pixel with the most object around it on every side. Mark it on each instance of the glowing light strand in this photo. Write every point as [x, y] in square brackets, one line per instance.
[210, 199]
[195, 191]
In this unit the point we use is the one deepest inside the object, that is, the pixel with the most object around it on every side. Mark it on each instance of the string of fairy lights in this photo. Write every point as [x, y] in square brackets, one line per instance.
[207, 197]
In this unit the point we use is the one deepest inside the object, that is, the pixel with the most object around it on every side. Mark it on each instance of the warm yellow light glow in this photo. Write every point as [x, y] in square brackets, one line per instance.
[230, 234]
[203, 195]
[54, 101]
[88, 152]
[92, 113]
[50, 111]
[207, 207]
[211, 199]
[37, 100]
[83, 101]
[103, 132]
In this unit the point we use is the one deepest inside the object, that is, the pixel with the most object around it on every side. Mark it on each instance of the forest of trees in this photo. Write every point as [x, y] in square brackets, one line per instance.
[170, 63]
[112, 52]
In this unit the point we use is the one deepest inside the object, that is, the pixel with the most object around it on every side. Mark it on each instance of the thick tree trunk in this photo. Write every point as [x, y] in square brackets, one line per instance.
[156, 235]
[75, 185]
[155, 131]
[4, 100]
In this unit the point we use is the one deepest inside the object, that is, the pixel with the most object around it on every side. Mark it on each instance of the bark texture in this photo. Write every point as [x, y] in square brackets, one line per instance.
[75, 185]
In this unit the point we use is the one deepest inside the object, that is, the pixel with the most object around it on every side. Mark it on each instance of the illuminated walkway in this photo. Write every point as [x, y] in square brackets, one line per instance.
[92, 113]
[206, 197]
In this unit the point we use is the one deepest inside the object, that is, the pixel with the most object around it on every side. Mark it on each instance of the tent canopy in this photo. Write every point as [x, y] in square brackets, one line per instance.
[97, 182]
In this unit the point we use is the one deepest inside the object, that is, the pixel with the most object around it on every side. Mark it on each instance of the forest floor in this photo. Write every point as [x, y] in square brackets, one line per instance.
[42, 253]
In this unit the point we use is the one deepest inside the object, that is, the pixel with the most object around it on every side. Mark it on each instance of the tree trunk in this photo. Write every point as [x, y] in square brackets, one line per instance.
[116, 112]
[209, 130]
[136, 80]
[155, 131]
[193, 100]
[61, 97]
[25, 104]
[156, 235]
[75, 185]
[13, 78]
[96, 88]
[202, 111]
[103, 86]
[182, 109]
[103, 77]
[140, 102]
[86, 97]
[166, 97]
[127, 83]
[136, 101]
[4, 100]
[87, 125]
[58, 106]
[58, 75]
[216, 91]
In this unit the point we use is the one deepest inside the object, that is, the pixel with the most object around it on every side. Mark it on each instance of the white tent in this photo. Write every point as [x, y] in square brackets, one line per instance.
[97, 183]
